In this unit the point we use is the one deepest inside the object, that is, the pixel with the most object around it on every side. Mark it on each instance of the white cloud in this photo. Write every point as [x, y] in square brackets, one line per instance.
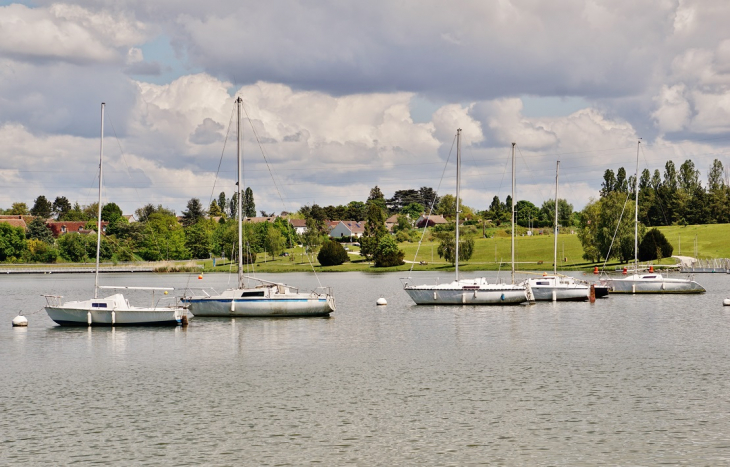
[66, 33]
[328, 88]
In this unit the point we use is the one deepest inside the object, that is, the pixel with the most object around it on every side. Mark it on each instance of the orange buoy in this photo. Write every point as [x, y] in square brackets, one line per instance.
[651, 268]
[200, 276]
[595, 270]
[625, 271]
[544, 274]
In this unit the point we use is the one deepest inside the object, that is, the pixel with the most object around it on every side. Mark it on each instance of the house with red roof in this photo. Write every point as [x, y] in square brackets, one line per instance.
[59, 228]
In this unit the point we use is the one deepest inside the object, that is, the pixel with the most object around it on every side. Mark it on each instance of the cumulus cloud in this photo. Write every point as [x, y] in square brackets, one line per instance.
[66, 33]
[207, 132]
[328, 90]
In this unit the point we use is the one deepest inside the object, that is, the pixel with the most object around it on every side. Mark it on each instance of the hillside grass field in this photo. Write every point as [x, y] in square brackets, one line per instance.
[532, 253]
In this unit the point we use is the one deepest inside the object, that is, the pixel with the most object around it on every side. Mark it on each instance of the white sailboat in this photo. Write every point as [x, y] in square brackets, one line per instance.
[113, 310]
[557, 287]
[477, 291]
[268, 299]
[652, 283]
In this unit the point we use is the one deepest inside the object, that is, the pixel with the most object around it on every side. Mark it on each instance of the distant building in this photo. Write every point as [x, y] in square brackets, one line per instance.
[347, 229]
[432, 220]
[14, 221]
[59, 228]
[256, 220]
[300, 225]
[391, 221]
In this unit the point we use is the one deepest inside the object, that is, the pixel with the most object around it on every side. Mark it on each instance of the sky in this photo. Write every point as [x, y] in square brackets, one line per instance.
[342, 96]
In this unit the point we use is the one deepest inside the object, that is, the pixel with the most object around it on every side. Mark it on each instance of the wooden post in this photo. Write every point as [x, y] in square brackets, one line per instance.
[592, 295]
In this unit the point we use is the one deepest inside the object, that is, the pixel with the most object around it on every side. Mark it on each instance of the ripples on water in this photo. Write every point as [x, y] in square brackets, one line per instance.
[628, 380]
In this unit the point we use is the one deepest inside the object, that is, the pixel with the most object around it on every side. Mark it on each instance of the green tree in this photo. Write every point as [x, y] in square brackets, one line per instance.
[77, 248]
[198, 240]
[12, 242]
[413, 210]
[313, 236]
[42, 207]
[356, 211]
[214, 210]
[111, 212]
[274, 242]
[61, 207]
[193, 214]
[143, 213]
[527, 214]
[376, 197]
[600, 221]
[248, 207]
[76, 214]
[19, 209]
[654, 245]
[332, 254]
[162, 238]
[38, 230]
[447, 245]
[609, 183]
[39, 252]
[374, 230]
[387, 252]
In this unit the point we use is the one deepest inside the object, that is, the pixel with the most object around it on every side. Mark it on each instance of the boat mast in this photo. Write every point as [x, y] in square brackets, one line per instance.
[555, 255]
[513, 212]
[458, 190]
[239, 218]
[98, 217]
[636, 211]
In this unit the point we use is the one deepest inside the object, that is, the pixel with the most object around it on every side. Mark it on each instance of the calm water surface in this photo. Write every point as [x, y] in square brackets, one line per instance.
[629, 380]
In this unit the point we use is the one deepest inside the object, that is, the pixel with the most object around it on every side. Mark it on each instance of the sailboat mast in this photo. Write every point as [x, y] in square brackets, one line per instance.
[636, 211]
[555, 255]
[513, 212]
[239, 218]
[458, 193]
[98, 217]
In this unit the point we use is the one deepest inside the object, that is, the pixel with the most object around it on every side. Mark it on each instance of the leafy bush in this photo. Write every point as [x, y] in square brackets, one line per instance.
[332, 254]
[387, 253]
[39, 252]
[654, 245]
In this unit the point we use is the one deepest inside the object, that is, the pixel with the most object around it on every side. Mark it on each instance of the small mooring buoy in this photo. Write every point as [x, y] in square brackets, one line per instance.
[20, 320]
[382, 301]
[726, 302]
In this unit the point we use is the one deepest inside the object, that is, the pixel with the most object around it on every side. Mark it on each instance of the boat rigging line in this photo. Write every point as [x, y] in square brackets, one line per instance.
[433, 202]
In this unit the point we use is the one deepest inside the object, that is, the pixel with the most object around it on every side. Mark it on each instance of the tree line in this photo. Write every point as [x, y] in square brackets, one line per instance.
[674, 197]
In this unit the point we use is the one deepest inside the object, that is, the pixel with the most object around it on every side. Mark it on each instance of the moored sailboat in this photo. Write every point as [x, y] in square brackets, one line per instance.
[558, 287]
[652, 283]
[476, 291]
[114, 310]
[268, 299]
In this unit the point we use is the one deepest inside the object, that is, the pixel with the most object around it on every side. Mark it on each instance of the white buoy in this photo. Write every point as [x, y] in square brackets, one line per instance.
[382, 301]
[726, 302]
[20, 320]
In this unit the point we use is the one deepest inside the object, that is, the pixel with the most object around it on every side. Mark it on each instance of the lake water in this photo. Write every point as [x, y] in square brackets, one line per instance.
[629, 380]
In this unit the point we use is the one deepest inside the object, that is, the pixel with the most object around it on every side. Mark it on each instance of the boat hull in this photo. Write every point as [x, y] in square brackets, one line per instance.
[143, 317]
[268, 307]
[550, 293]
[662, 286]
[442, 296]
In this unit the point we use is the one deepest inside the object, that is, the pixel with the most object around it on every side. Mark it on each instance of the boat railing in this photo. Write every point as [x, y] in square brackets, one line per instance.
[323, 290]
[191, 292]
[53, 300]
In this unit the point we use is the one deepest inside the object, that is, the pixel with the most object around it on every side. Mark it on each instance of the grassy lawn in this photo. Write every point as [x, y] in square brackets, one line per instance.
[532, 253]
[713, 240]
